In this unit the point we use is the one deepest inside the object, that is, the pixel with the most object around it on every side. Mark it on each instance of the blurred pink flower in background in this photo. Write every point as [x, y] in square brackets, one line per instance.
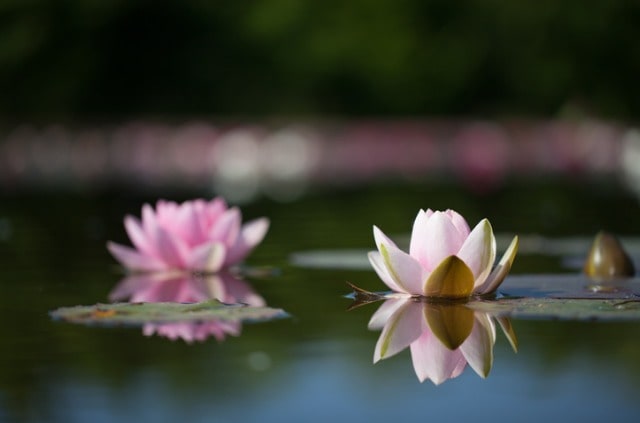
[443, 338]
[446, 258]
[481, 155]
[177, 287]
[196, 235]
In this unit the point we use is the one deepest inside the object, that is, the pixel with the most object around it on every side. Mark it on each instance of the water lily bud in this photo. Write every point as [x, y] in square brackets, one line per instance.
[607, 258]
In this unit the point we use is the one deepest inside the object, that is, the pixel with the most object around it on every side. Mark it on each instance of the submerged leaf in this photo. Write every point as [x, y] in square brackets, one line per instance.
[143, 313]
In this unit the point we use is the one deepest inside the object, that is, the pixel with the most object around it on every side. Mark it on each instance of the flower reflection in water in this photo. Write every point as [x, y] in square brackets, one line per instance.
[443, 337]
[188, 288]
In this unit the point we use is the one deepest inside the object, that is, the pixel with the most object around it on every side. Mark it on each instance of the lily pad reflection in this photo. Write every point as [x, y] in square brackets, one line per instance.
[443, 338]
[178, 306]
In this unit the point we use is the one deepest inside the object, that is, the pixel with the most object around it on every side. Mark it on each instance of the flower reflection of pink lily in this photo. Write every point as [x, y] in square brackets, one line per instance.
[443, 338]
[177, 287]
[446, 258]
[195, 235]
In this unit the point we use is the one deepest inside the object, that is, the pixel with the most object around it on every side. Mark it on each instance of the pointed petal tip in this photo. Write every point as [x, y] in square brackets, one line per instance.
[500, 272]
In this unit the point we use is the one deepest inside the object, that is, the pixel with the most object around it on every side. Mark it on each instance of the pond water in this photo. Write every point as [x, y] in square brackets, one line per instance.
[317, 364]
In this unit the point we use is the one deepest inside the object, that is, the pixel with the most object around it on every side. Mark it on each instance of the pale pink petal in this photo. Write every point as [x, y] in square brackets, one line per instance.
[171, 249]
[459, 368]
[138, 237]
[459, 222]
[375, 258]
[207, 257]
[166, 211]
[479, 251]
[405, 271]
[478, 347]
[402, 328]
[438, 239]
[216, 206]
[187, 225]
[432, 360]
[134, 260]
[149, 223]
[416, 246]
[251, 234]
[227, 228]
[380, 238]
[384, 312]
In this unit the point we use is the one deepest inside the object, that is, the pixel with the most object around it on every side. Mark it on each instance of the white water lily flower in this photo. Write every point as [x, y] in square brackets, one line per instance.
[446, 259]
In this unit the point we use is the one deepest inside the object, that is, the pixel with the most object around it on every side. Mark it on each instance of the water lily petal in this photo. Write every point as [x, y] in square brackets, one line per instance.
[227, 228]
[436, 239]
[501, 271]
[405, 271]
[132, 259]
[451, 279]
[416, 245]
[384, 312]
[375, 258]
[381, 238]
[251, 234]
[459, 222]
[171, 249]
[479, 251]
[139, 237]
[402, 328]
[478, 348]
[207, 257]
[432, 360]
[187, 224]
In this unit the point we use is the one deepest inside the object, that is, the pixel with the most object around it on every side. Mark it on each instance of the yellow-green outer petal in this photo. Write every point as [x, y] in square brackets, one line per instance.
[387, 261]
[451, 279]
[450, 323]
[501, 271]
[508, 331]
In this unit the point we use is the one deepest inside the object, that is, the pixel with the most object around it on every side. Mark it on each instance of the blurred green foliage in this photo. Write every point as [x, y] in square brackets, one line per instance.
[89, 58]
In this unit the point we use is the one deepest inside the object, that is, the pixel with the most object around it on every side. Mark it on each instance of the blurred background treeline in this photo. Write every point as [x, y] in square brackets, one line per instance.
[94, 59]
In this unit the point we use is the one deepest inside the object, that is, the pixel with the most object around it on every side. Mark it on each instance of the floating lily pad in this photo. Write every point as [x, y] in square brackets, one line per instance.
[562, 297]
[570, 286]
[142, 313]
[560, 308]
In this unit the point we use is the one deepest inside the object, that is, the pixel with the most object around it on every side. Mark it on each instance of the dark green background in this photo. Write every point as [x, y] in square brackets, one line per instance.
[92, 59]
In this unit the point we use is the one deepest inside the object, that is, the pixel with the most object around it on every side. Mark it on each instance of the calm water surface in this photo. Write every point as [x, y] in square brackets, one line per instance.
[317, 364]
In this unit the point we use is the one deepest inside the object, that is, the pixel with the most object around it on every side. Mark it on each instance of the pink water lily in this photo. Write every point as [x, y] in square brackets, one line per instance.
[446, 259]
[196, 235]
[443, 338]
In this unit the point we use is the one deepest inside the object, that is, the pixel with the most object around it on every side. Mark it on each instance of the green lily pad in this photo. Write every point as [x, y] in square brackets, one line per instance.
[142, 313]
[560, 308]
[556, 297]
[570, 286]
